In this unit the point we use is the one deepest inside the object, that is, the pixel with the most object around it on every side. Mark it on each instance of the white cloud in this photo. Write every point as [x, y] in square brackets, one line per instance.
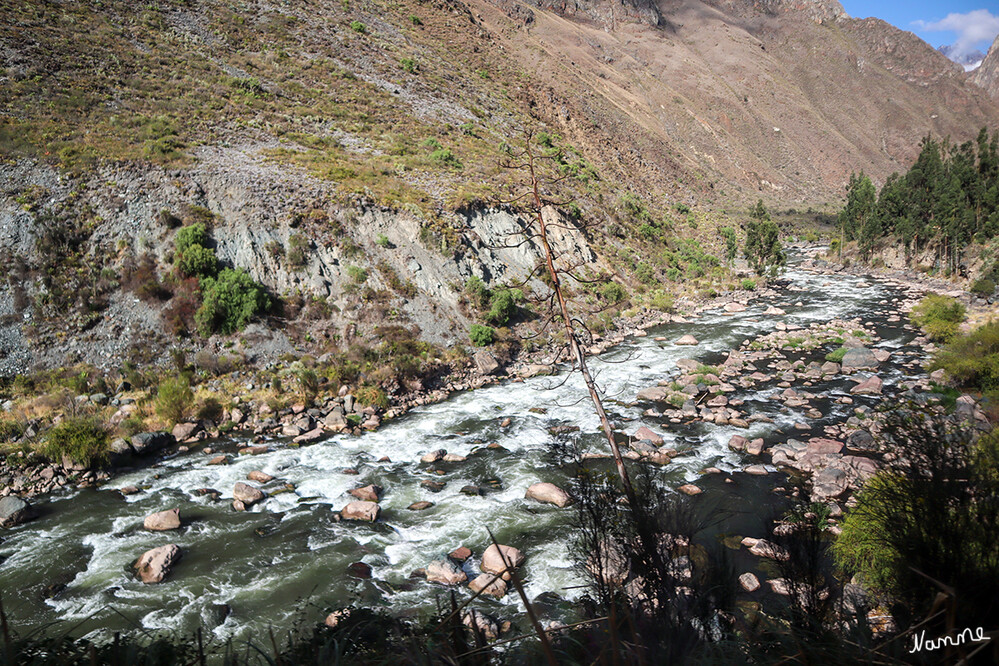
[973, 29]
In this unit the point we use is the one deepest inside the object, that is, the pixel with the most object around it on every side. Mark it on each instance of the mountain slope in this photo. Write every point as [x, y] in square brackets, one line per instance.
[987, 74]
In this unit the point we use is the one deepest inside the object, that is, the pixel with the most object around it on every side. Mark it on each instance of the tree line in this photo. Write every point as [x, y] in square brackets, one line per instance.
[948, 199]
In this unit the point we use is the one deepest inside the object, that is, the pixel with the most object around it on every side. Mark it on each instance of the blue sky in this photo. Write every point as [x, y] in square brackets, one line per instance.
[968, 24]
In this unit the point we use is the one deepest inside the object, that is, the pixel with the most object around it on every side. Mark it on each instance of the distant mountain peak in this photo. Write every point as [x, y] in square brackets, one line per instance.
[969, 61]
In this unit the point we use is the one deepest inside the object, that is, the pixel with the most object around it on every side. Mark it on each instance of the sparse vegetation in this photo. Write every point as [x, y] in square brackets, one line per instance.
[939, 316]
[82, 440]
[481, 336]
[174, 399]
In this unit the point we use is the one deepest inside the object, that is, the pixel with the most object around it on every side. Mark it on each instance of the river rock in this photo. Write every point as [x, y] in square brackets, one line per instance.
[485, 362]
[460, 554]
[445, 572]
[259, 477]
[548, 493]
[183, 431]
[737, 443]
[755, 447]
[433, 456]
[687, 340]
[768, 549]
[488, 584]
[369, 493]
[433, 486]
[653, 394]
[735, 307]
[14, 511]
[481, 624]
[648, 435]
[247, 494]
[495, 559]
[830, 368]
[420, 506]
[870, 386]
[756, 470]
[689, 489]
[749, 582]
[773, 310]
[155, 564]
[829, 483]
[162, 521]
[151, 442]
[823, 446]
[859, 358]
[363, 511]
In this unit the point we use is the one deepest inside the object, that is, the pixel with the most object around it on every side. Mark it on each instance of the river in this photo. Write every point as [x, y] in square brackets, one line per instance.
[287, 558]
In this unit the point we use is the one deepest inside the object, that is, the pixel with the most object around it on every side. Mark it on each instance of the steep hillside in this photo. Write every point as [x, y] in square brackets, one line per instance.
[347, 156]
[987, 74]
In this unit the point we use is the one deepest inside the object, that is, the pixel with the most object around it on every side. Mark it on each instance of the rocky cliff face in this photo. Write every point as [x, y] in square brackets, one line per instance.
[987, 74]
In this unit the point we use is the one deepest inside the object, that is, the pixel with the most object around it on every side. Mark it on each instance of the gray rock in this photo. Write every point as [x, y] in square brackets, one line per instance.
[150, 442]
[749, 582]
[485, 362]
[859, 358]
[14, 511]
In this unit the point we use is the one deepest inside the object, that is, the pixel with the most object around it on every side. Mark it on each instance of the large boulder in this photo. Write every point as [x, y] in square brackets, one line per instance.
[859, 358]
[363, 511]
[548, 493]
[649, 435]
[14, 511]
[497, 559]
[247, 494]
[155, 564]
[445, 572]
[735, 307]
[485, 362]
[481, 624]
[488, 584]
[653, 394]
[184, 431]
[368, 493]
[687, 340]
[151, 442]
[870, 386]
[162, 521]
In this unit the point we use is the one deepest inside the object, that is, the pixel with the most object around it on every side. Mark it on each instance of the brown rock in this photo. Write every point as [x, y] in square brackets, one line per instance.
[163, 520]
[247, 494]
[363, 511]
[497, 558]
[420, 506]
[687, 340]
[183, 431]
[548, 493]
[155, 564]
[488, 584]
[433, 456]
[755, 447]
[690, 489]
[646, 434]
[368, 493]
[219, 460]
[259, 477]
[749, 582]
[460, 554]
[870, 386]
[128, 490]
[445, 572]
[737, 443]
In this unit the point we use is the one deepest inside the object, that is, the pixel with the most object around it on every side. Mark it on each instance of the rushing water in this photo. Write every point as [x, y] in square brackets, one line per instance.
[287, 555]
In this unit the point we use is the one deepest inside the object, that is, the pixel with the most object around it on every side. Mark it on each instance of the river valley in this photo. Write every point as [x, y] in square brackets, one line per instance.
[287, 558]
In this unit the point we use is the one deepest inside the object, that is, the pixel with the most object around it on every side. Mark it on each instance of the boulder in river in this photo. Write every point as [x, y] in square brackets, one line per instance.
[488, 584]
[548, 493]
[183, 431]
[14, 511]
[737, 443]
[485, 362]
[155, 564]
[481, 624]
[648, 435]
[247, 494]
[870, 386]
[259, 477]
[687, 340]
[445, 572]
[690, 489]
[151, 442]
[363, 511]
[859, 358]
[497, 559]
[162, 521]
[433, 456]
[749, 582]
[735, 307]
[420, 506]
[368, 493]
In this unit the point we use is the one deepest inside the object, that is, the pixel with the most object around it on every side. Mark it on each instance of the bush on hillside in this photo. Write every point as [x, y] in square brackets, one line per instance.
[972, 359]
[229, 302]
[481, 336]
[938, 316]
[82, 440]
[197, 261]
[983, 287]
[174, 399]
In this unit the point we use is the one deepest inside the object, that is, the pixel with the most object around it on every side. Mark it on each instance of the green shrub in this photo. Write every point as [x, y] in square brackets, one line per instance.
[197, 261]
[661, 300]
[358, 27]
[297, 244]
[481, 336]
[383, 241]
[972, 359]
[230, 301]
[357, 274]
[613, 292]
[983, 287]
[174, 399]
[938, 316]
[502, 306]
[193, 234]
[748, 284]
[445, 157]
[371, 396]
[837, 356]
[82, 440]
[477, 291]
[408, 65]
